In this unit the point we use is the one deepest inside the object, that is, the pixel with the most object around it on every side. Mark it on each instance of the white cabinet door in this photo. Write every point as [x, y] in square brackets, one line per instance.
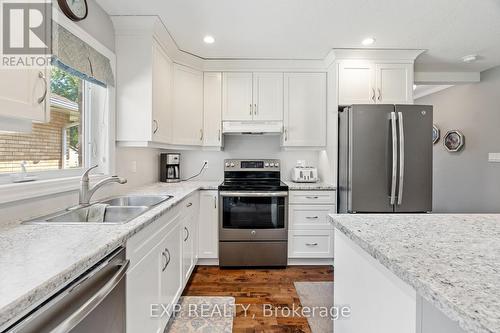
[394, 83]
[305, 110]
[25, 93]
[268, 96]
[143, 289]
[208, 230]
[171, 269]
[188, 236]
[212, 109]
[237, 102]
[310, 244]
[188, 106]
[356, 83]
[162, 95]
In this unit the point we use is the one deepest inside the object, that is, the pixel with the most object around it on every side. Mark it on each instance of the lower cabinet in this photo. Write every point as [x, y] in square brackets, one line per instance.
[162, 258]
[208, 237]
[310, 233]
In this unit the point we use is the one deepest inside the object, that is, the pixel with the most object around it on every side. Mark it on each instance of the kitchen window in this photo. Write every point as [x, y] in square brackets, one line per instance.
[68, 141]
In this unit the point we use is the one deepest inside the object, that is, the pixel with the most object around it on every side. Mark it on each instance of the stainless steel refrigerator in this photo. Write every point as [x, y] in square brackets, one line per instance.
[385, 159]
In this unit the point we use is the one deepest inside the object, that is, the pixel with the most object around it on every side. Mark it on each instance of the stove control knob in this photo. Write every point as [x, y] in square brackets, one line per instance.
[232, 165]
[227, 165]
[272, 165]
[266, 165]
[276, 164]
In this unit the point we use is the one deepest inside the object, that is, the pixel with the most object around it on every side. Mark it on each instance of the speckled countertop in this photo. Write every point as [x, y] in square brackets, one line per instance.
[309, 186]
[453, 261]
[37, 260]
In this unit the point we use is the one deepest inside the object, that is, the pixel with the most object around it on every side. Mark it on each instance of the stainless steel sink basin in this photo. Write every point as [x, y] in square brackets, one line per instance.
[137, 200]
[93, 214]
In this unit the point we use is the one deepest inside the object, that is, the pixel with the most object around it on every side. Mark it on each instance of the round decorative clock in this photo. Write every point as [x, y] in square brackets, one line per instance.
[454, 141]
[76, 10]
[436, 134]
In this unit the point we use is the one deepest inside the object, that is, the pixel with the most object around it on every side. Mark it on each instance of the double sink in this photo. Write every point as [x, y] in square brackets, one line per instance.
[116, 210]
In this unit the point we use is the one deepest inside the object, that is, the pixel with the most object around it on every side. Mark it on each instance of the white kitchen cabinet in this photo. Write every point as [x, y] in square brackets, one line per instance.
[310, 217]
[394, 83]
[162, 95]
[190, 214]
[212, 109]
[187, 116]
[268, 96]
[237, 103]
[25, 94]
[315, 244]
[155, 275]
[208, 231]
[305, 110]
[252, 96]
[356, 83]
[367, 82]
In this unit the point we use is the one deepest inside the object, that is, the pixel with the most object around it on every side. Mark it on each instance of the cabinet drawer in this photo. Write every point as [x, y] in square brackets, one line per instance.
[310, 244]
[312, 197]
[310, 217]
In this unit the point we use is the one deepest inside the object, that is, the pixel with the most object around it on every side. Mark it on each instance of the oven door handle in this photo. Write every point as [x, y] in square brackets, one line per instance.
[254, 194]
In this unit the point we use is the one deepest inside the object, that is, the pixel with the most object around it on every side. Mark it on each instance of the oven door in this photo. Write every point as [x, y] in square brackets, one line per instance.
[255, 216]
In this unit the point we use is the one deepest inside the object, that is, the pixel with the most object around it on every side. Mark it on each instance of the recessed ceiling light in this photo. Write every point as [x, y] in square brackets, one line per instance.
[368, 41]
[209, 39]
[470, 58]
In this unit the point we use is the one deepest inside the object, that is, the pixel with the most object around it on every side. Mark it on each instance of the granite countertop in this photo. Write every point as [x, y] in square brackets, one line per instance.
[453, 261]
[309, 186]
[37, 260]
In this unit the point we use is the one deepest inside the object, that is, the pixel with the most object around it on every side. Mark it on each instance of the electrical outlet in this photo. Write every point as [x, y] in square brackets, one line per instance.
[494, 157]
[206, 164]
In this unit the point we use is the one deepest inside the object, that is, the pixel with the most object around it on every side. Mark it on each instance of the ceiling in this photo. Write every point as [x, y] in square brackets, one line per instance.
[308, 29]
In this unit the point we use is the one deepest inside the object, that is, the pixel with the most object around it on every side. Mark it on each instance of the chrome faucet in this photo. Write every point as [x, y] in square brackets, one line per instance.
[86, 193]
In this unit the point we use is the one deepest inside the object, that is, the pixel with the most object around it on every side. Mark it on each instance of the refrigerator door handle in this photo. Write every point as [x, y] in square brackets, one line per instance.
[401, 158]
[394, 157]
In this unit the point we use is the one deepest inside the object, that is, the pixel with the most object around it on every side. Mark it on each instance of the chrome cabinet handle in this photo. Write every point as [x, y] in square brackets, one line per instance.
[394, 158]
[312, 217]
[201, 134]
[251, 109]
[379, 95]
[167, 259]
[312, 197]
[45, 89]
[312, 244]
[189, 204]
[286, 134]
[156, 126]
[255, 110]
[401, 158]
[219, 135]
[215, 202]
[373, 95]
[187, 234]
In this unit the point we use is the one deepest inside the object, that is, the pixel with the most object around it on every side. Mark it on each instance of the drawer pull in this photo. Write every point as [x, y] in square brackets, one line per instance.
[189, 204]
[166, 255]
[312, 217]
[312, 244]
[316, 197]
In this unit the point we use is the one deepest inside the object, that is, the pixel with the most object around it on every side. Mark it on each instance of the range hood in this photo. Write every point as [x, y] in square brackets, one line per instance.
[252, 127]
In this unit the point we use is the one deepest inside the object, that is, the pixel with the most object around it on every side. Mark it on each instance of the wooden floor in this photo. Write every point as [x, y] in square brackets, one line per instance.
[256, 287]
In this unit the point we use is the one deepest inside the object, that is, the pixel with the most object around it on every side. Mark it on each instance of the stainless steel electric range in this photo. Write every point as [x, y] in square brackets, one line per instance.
[253, 222]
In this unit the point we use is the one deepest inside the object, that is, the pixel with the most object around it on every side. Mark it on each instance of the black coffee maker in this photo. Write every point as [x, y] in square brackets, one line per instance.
[170, 167]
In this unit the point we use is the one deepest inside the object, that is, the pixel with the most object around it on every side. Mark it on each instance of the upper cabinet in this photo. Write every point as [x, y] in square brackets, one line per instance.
[162, 95]
[252, 96]
[212, 109]
[187, 116]
[24, 93]
[367, 82]
[305, 110]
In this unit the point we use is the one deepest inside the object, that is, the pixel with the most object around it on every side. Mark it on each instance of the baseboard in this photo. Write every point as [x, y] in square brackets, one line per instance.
[306, 262]
[208, 262]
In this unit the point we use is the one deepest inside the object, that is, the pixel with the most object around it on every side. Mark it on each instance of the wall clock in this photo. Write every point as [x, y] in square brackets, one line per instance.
[76, 10]
[454, 141]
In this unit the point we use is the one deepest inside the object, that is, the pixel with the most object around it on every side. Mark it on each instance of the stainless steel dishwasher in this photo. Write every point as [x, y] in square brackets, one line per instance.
[93, 302]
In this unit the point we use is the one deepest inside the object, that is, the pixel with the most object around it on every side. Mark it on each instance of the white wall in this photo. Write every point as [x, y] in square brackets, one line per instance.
[242, 147]
[466, 181]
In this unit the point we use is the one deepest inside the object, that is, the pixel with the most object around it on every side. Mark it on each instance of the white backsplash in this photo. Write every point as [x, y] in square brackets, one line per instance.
[243, 147]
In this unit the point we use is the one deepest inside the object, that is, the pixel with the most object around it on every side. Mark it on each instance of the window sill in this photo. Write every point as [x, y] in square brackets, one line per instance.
[40, 188]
